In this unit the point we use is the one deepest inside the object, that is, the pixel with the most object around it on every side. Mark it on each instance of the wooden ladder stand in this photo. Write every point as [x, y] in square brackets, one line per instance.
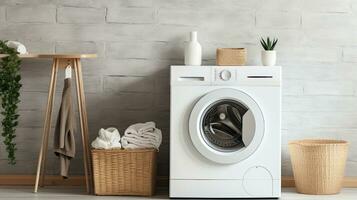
[61, 61]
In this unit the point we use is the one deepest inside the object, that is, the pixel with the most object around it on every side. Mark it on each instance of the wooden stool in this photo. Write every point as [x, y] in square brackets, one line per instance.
[61, 61]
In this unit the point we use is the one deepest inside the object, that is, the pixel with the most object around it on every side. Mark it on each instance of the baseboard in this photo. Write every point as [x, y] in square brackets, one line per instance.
[49, 180]
[26, 180]
[287, 181]
[161, 181]
[348, 182]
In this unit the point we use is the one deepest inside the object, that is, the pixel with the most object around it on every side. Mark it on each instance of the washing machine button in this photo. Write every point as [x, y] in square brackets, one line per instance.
[225, 75]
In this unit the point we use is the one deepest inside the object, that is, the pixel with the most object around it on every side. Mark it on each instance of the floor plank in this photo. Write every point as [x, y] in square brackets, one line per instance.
[78, 193]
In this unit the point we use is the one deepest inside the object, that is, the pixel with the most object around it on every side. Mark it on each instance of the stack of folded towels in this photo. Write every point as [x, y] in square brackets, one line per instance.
[136, 136]
[142, 135]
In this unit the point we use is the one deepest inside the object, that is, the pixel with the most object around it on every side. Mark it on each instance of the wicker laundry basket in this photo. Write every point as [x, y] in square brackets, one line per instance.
[231, 56]
[318, 165]
[124, 172]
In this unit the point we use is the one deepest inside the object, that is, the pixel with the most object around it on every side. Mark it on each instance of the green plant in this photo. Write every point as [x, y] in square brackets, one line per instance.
[268, 44]
[9, 96]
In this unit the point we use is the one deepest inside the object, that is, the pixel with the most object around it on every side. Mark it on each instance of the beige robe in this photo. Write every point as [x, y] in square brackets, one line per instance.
[64, 142]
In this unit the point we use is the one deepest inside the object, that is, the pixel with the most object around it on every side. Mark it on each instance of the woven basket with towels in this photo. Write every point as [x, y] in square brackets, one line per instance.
[124, 172]
[126, 165]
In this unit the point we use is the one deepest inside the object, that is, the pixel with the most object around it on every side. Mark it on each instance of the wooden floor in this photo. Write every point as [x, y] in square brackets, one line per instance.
[78, 193]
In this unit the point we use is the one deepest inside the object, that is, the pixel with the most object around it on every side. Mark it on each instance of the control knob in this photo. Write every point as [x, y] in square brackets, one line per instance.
[225, 75]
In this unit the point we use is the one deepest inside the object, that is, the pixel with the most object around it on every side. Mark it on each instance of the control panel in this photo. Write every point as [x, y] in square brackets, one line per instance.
[226, 75]
[246, 75]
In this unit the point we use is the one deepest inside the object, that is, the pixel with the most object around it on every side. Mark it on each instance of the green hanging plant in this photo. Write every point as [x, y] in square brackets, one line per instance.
[9, 97]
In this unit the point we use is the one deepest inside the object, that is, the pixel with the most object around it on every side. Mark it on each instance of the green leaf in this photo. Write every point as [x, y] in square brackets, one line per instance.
[264, 44]
[10, 97]
[268, 44]
[274, 43]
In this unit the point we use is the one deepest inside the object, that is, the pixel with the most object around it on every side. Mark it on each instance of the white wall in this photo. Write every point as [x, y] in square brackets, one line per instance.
[137, 40]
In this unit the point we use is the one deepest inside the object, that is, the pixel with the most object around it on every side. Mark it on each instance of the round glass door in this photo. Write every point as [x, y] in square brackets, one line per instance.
[226, 126]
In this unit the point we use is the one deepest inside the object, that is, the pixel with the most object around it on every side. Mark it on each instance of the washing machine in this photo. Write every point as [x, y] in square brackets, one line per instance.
[225, 137]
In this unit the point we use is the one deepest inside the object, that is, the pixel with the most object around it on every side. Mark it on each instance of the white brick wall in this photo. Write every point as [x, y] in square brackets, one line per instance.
[117, 84]
[328, 20]
[88, 47]
[206, 18]
[349, 54]
[275, 20]
[38, 13]
[69, 15]
[137, 40]
[2, 14]
[131, 15]
[331, 6]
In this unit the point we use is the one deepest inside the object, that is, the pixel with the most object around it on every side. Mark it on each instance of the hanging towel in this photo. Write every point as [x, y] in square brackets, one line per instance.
[142, 135]
[64, 142]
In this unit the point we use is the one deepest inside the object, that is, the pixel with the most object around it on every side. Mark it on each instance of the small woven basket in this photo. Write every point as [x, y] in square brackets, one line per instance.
[231, 56]
[318, 165]
[124, 172]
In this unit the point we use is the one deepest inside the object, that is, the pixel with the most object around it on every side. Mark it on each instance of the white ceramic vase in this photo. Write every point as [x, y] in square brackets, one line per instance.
[193, 51]
[268, 58]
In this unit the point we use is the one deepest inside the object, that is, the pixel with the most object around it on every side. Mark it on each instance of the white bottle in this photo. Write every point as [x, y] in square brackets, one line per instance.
[193, 51]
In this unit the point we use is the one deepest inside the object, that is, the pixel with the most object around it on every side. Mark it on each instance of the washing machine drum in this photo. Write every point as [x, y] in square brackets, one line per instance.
[226, 126]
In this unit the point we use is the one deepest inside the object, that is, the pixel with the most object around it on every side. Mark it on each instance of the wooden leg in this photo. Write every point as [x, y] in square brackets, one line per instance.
[47, 126]
[44, 160]
[86, 132]
[83, 122]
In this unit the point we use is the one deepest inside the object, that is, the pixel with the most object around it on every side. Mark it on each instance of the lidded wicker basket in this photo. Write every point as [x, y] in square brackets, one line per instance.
[318, 165]
[124, 172]
[231, 56]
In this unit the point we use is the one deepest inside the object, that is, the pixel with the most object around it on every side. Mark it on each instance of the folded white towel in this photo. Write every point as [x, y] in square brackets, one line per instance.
[127, 145]
[145, 138]
[142, 135]
[140, 128]
[107, 139]
[20, 48]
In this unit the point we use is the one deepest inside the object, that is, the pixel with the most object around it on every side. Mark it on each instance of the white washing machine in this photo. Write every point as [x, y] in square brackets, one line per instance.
[225, 137]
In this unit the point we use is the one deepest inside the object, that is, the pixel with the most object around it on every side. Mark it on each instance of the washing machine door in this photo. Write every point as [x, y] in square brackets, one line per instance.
[226, 126]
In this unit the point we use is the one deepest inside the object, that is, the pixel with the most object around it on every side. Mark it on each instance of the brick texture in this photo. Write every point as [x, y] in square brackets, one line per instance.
[131, 15]
[31, 13]
[80, 15]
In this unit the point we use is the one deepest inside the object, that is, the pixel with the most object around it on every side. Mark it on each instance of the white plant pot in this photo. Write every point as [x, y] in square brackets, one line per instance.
[193, 51]
[268, 58]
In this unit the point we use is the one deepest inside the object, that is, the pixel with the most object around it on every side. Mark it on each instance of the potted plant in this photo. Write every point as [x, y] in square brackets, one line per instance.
[268, 54]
